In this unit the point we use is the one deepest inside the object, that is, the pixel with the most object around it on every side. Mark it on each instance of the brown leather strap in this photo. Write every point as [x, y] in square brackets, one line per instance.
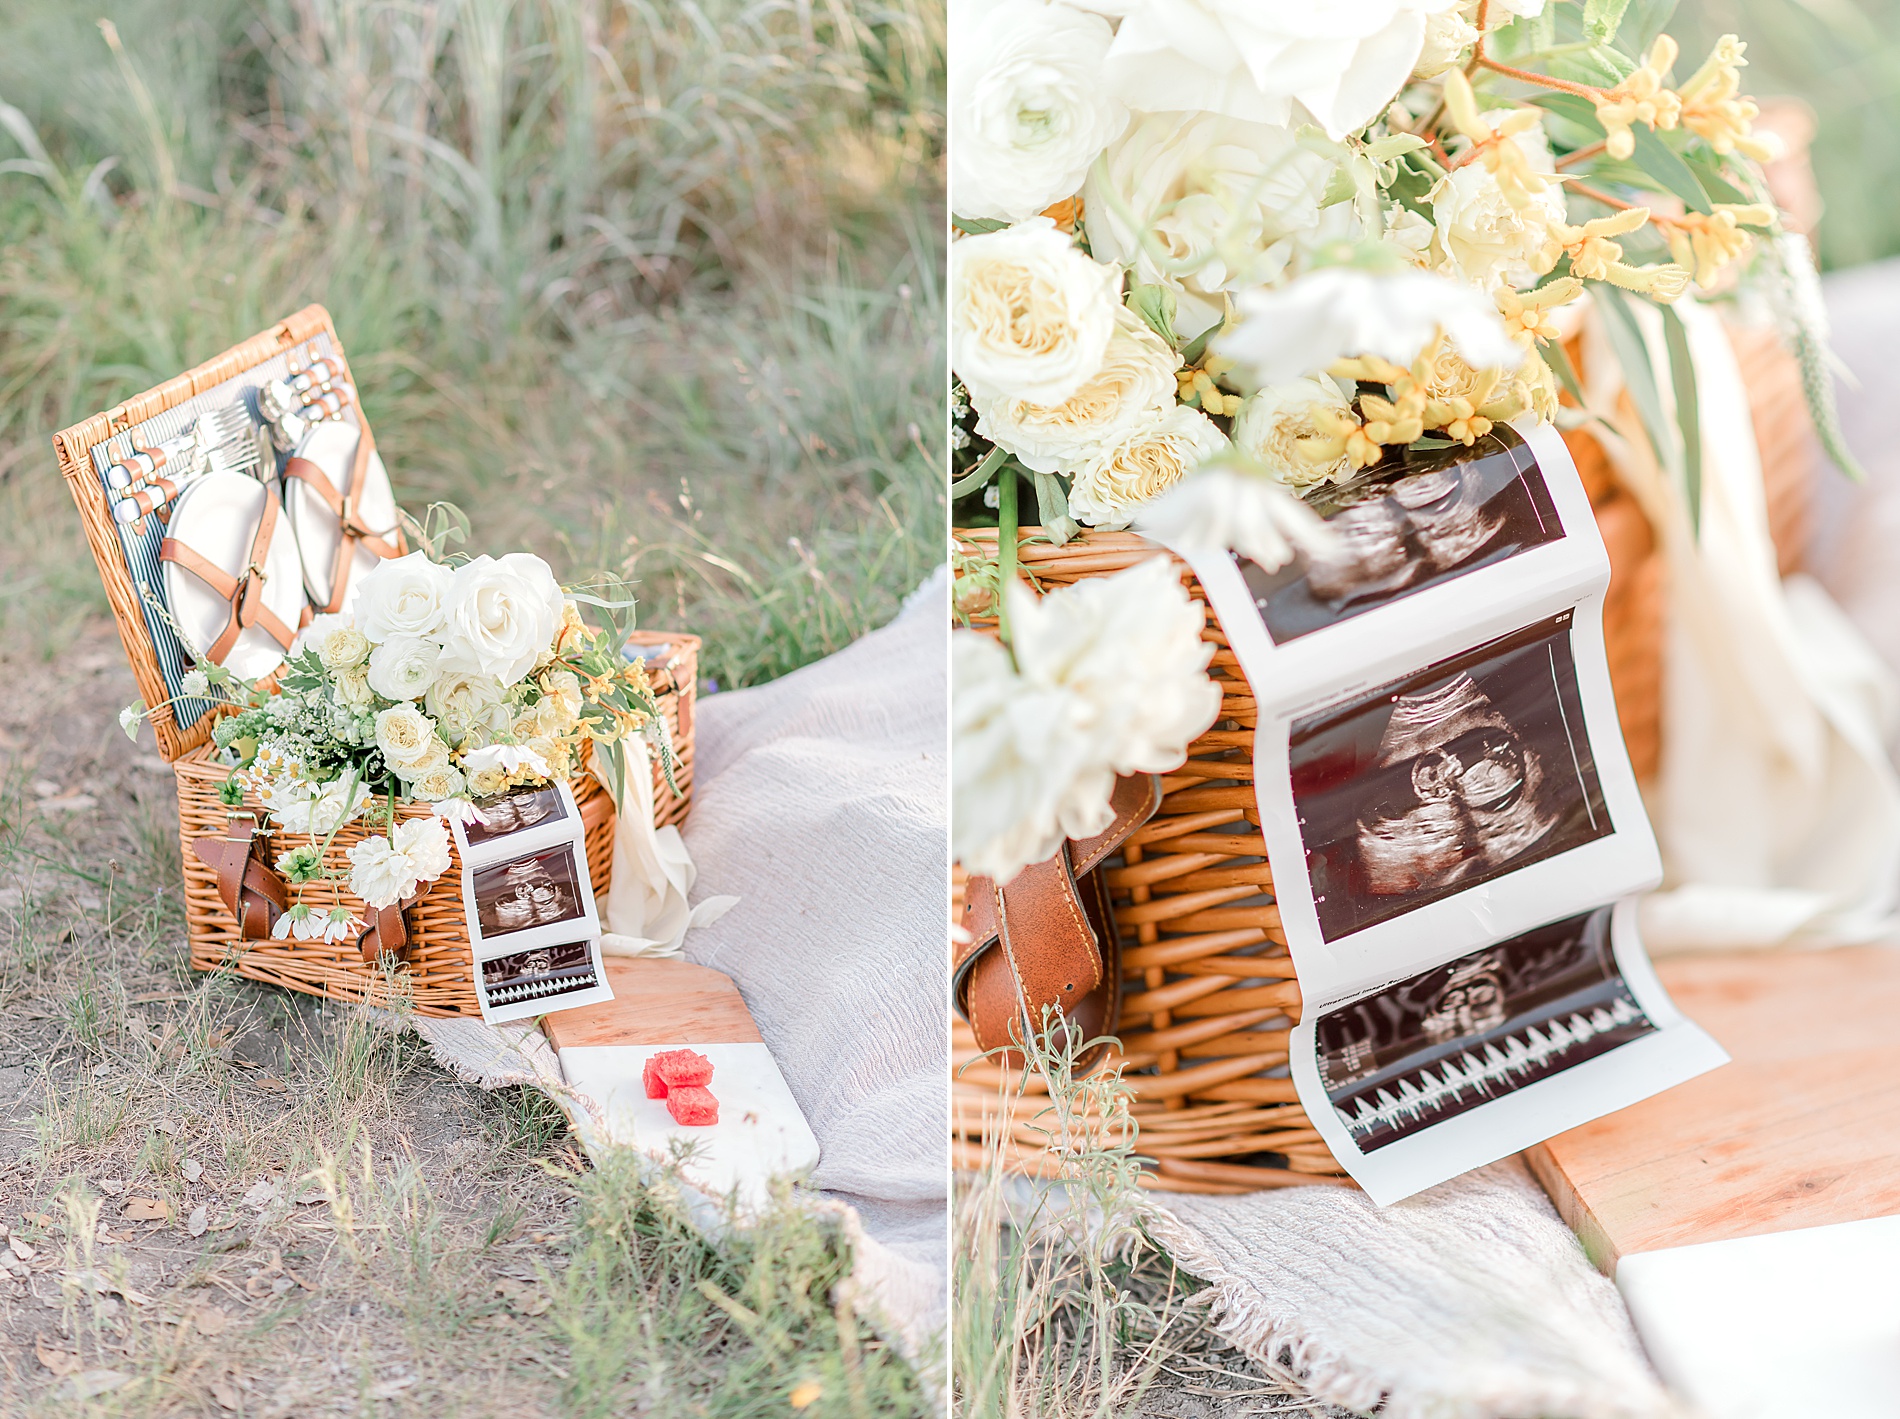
[245, 592]
[350, 526]
[387, 931]
[251, 889]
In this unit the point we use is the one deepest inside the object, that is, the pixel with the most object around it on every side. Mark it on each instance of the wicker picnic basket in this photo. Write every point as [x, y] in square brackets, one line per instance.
[436, 973]
[1209, 992]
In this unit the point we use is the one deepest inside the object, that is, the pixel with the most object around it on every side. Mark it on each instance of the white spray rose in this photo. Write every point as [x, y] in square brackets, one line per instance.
[1286, 429]
[1343, 311]
[1486, 240]
[405, 734]
[402, 667]
[1223, 509]
[1028, 109]
[1136, 380]
[467, 706]
[1342, 61]
[403, 596]
[1112, 680]
[1222, 202]
[1156, 454]
[1030, 315]
[501, 616]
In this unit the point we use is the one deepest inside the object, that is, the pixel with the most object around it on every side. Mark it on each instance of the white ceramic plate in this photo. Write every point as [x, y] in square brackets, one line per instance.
[331, 445]
[217, 518]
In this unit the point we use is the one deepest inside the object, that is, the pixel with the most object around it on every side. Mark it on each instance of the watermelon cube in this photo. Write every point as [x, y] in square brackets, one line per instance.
[682, 1067]
[692, 1105]
[650, 1076]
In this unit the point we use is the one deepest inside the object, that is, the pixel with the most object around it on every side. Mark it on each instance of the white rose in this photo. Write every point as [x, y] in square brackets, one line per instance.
[314, 809]
[1342, 61]
[501, 616]
[311, 637]
[1284, 429]
[1486, 240]
[379, 874]
[467, 705]
[432, 759]
[402, 667]
[439, 783]
[1135, 380]
[1343, 311]
[1028, 109]
[425, 842]
[405, 734]
[1111, 680]
[1223, 204]
[343, 648]
[1222, 509]
[1030, 315]
[403, 596]
[352, 688]
[1157, 453]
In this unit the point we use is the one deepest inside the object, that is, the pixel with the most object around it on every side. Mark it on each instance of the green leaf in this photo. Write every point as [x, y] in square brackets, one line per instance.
[1558, 359]
[1688, 412]
[1339, 188]
[1709, 173]
[976, 226]
[1642, 22]
[978, 475]
[1665, 164]
[1632, 353]
[1155, 305]
[1052, 509]
[1576, 123]
[1602, 19]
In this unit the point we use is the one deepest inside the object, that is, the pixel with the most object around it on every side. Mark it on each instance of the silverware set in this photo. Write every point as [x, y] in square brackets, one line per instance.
[150, 478]
[291, 405]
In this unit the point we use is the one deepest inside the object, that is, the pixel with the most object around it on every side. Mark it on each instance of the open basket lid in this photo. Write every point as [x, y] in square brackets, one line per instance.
[128, 555]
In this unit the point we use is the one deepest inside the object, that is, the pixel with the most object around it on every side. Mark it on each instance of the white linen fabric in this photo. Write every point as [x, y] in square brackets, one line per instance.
[1471, 1300]
[1777, 807]
[647, 909]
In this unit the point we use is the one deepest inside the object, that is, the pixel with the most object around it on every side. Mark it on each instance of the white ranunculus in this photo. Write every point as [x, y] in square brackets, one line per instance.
[466, 706]
[425, 842]
[1030, 315]
[1136, 380]
[405, 734]
[1204, 203]
[404, 596]
[1156, 454]
[1485, 239]
[1028, 109]
[1341, 61]
[314, 809]
[380, 874]
[1111, 680]
[1223, 509]
[1284, 429]
[501, 616]
[1343, 311]
[403, 667]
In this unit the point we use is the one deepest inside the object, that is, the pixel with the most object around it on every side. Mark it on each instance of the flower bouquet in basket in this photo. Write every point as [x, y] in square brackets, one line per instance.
[1272, 280]
[451, 681]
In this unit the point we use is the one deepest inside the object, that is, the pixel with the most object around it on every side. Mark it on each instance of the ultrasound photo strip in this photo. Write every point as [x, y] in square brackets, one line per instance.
[522, 984]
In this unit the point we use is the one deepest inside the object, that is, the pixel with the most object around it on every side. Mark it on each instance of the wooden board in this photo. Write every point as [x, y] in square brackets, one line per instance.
[658, 1002]
[1800, 1130]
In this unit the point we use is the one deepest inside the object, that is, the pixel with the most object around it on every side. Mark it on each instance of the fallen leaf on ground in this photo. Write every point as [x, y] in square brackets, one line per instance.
[90, 1382]
[21, 1247]
[111, 1187]
[199, 1219]
[270, 1084]
[193, 1170]
[145, 1209]
[806, 1394]
[225, 1393]
[263, 1192]
[60, 1362]
[210, 1320]
[389, 1389]
[166, 1125]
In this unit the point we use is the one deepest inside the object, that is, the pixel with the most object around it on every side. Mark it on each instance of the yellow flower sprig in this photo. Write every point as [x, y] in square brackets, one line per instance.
[1527, 313]
[1716, 111]
[1596, 254]
[1495, 146]
[1644, 97]
[1708, 241]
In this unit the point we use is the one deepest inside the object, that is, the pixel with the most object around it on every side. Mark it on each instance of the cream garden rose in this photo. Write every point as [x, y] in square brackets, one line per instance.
[1155, 455]
[1291, 431]
[1030, 315]
[468, 707]
[1028, 119]
[1135, 381]
[403, 596]
[405, 734]
[1485, 239]
[500, 616]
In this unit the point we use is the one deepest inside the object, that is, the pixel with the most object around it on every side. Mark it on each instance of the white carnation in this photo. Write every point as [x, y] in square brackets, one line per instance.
[194, 682]
[1285, 429]
[1486, 240]
[380, 874]
[1030, 315]
[1341, 61]
[1205, 204]
[1223, 509]
[402, 667]
[1028, 109]
[316, 810]
[1135, 381]
[1111, 679]
[1344, 311]
[500, 617]
[403, 596]
[425, 842]
[1152, 457]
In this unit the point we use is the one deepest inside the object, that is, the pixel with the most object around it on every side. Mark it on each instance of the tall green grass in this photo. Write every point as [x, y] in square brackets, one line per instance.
[649, 288]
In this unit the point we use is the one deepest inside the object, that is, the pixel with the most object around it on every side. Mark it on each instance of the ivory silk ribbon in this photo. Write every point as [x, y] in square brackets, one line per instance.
[647, 911]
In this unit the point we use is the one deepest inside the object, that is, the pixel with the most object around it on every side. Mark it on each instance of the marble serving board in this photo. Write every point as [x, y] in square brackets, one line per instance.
[668, 1004]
